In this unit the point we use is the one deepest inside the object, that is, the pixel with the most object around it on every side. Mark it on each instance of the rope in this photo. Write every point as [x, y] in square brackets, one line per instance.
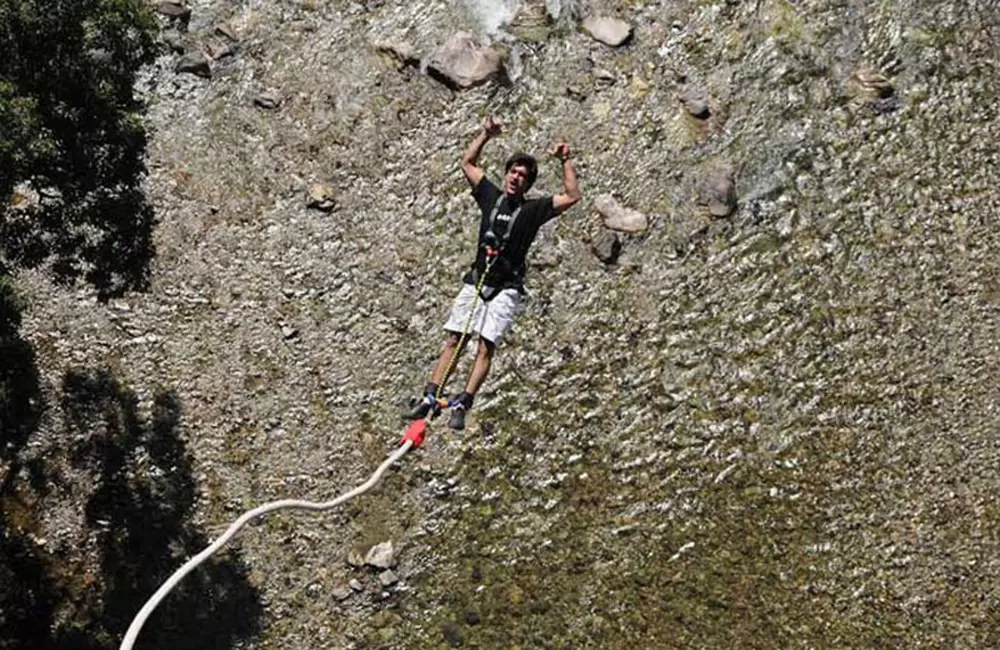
[161, 593]
[465, 329]
[413, 438]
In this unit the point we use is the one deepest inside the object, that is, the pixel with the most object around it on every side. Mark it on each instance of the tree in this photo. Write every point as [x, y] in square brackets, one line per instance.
[72, 140]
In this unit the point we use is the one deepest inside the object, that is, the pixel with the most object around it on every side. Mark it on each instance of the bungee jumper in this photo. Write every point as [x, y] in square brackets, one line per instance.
[492, 288]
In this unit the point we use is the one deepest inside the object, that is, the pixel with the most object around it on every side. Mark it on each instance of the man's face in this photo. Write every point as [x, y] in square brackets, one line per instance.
[516, 180]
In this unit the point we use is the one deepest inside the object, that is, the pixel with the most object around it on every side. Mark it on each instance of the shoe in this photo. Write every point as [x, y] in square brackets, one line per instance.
[457, 419]
[421, 408]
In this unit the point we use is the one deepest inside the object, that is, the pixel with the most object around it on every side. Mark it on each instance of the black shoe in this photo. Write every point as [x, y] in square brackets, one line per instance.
[457, 419]
[421, 408]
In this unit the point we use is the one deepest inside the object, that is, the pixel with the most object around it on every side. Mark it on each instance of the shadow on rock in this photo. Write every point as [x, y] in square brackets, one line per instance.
[138, 506]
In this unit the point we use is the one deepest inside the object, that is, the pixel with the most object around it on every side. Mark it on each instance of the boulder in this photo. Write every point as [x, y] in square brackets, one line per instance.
[607, 30]
[718, 191]
[696, 102]
[618, 217]
[401, 51]
[268, 100]
[462, 63]
[381, 556]
[194, 63]
[321, 197]
[607, 246]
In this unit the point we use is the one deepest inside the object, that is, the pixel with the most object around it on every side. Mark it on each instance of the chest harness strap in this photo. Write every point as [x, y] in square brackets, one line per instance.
[494, 246]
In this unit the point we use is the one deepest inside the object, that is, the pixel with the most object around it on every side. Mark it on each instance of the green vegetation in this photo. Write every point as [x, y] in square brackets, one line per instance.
[72, 140]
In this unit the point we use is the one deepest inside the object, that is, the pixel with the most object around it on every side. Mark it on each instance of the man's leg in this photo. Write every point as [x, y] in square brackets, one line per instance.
[481, 367]
[448, 353]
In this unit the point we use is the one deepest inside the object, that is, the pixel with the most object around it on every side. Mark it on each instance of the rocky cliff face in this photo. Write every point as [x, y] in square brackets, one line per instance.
[751, 400]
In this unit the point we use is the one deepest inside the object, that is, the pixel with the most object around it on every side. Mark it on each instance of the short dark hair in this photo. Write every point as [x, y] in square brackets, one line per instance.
[528, 162]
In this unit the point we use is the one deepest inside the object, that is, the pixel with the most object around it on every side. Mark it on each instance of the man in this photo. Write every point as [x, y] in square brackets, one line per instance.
[507, 227]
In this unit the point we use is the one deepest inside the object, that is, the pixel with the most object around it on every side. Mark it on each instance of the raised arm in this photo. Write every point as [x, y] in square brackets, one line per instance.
[570, 195]
[470, 165]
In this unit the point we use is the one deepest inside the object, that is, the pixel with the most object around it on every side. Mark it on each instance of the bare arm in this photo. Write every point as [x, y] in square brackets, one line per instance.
[470, 165]
[570, 195]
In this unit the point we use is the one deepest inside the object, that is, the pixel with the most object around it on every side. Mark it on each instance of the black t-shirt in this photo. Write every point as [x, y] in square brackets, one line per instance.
[508, 270]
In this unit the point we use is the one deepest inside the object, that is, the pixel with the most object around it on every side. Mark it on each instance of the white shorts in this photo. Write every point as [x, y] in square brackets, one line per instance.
[492, 318]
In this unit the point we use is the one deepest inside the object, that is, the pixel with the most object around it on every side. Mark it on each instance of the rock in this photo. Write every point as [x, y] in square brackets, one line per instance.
[174, 41]
[618, 217]
[462, 63]
[578, 93]
[225, 29]
[388, 578]
[268, 100]
[356, 585]
[288, 333]
[554, 9]
[401, 51]
[531, 22]
[175, 11]
[696, 102]
[381, 556]
[217, 49]
[718, 191]
[607, 246]
[341, 592]
[607, 30]
[195, 63]
[871, 83]
[355, 559]
[604, 77]
[321, 197]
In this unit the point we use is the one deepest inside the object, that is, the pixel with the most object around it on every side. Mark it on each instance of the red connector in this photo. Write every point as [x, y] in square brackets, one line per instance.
[415, 433]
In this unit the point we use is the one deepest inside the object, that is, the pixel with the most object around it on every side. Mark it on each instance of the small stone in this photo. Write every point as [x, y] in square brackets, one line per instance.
[388, 578]
[607, 246]
[618, 217]
[531, 22]
[401, 51]
[268, 100]
[356, 585]
[225, 29]
[174, 10]
[381, 556]
[288, 333]
[217, 49]
[718, 191]
[462, 63]
[696, 102]
[872, 83]
[195, 63]
[321, 197]
[576, 92]
[607, 30]
[355, 559]
[341, 592]
[174, 41]
[605, 77]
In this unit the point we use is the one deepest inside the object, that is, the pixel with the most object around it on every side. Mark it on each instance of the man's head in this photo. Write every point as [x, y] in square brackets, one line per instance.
[520, 174]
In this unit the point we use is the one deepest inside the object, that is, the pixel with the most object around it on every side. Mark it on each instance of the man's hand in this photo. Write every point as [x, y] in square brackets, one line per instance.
[492, 127]
[470, 166]
[571, 189]
[560, 150]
